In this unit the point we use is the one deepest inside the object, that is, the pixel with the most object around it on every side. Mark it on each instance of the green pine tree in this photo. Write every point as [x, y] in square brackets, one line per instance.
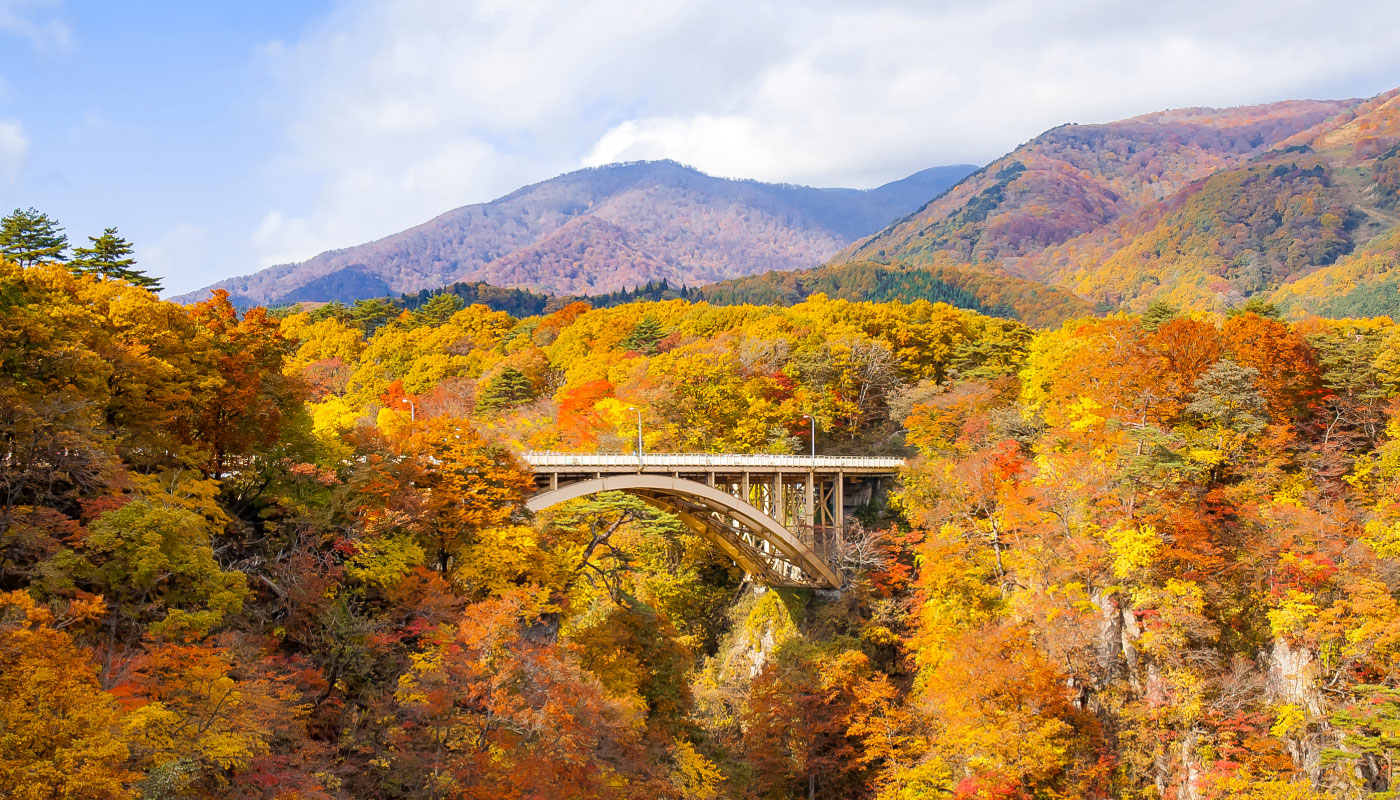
[1258, 306]
[368, 315]
[1159, 313]
[645, 334]
[335, 310]
[29, 237]
[1228, 396]
[438, 310]
[509, 388]
[110, 257]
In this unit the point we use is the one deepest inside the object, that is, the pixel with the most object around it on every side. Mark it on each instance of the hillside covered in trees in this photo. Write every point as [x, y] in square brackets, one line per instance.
[1201, 208]
[245, 555]
[599, 230]
[1292, 203]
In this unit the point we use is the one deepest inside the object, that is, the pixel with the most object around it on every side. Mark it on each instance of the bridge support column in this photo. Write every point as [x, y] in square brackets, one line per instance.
[744, 487]
[553, 481]
[779, 499]
[840, 501]
[810, 512]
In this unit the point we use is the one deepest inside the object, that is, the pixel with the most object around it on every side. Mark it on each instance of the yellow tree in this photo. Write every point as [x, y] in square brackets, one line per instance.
[58, 729]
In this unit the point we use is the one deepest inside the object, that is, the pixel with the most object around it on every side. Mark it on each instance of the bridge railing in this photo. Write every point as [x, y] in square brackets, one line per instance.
[545, 458]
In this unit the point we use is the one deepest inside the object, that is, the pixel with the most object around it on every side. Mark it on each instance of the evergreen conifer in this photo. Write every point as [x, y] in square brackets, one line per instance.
[29, 237]
[109, 255]
[509, 388]
[645, 334]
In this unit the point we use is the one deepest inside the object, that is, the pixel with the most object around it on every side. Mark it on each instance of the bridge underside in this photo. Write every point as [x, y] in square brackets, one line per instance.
[765, 549]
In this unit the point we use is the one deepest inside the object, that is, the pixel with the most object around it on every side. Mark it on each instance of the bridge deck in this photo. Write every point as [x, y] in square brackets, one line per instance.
[545, 461]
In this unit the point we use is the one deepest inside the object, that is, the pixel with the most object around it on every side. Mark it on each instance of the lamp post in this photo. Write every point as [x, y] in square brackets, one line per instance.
[412, 409]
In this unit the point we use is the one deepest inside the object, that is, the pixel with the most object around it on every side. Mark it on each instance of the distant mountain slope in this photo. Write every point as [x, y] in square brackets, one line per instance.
[1365, 283]
[1285, 214]
[602, 229]
[1075, 179]
[1296, 201]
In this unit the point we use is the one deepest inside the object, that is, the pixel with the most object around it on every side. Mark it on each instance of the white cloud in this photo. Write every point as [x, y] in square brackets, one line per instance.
[14, 147]
[37, 21]
[399, 110]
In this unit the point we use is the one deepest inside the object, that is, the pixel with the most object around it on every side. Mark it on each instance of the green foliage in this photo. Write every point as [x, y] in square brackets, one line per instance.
[1257, 306]
[156, 567]
[1034, 304]
[369, 315]
[986, 201]
[1370, 726]
[1157, 314]
[29, 237]
[516, 302]
[1128, 553]
[438, 309]
[509, 388]
[644, 336]
[109, 255]
[1228, 396]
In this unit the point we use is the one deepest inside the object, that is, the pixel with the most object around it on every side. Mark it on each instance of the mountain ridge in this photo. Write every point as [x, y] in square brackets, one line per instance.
[600, 229]
[1201, 208]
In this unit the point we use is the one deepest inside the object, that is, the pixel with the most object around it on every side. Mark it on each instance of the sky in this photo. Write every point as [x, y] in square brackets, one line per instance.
[223, 137]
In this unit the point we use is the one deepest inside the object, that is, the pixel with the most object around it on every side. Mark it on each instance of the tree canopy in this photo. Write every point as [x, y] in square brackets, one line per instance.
[257, 556]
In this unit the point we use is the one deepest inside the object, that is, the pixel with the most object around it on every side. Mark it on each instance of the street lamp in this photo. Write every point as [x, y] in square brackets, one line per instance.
[412, 409]
[814, 436]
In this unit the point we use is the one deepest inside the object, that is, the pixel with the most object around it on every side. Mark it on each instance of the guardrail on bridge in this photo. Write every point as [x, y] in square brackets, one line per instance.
[759, 461]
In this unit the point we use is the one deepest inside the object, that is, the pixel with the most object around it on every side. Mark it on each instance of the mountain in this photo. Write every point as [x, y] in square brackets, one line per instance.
[1076, 178]
[1294, 201]
[603, 229]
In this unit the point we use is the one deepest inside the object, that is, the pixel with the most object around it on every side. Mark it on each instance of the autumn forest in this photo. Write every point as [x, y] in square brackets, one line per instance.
[1145, 543]
[255, 556]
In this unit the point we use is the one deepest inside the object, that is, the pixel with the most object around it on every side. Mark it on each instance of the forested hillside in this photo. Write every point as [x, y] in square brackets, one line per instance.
[1076, 178]
[987, 291]
[244, 556]
[1202, 208]
[602, 229]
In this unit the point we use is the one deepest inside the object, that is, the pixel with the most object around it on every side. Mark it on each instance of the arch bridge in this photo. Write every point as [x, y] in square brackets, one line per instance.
[780, 518]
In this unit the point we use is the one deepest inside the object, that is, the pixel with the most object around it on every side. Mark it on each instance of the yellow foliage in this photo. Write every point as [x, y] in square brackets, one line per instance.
[1290, 492]
[181, 489]
[1293, 613]
[1383, 538]
[1133, 547]
[320, 341]
[1082, 414]
[693, 776]
[1289, 720]
[195, 709]
[384, 560]
[1268, 787]
[56, 723]
[504, 556]
[331, 419]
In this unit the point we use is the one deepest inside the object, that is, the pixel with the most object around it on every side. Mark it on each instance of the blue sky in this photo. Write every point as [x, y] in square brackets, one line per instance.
[223, 137]
[148, 116]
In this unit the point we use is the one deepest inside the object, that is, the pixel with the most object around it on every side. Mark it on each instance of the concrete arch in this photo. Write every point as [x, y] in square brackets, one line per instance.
[755, 541]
